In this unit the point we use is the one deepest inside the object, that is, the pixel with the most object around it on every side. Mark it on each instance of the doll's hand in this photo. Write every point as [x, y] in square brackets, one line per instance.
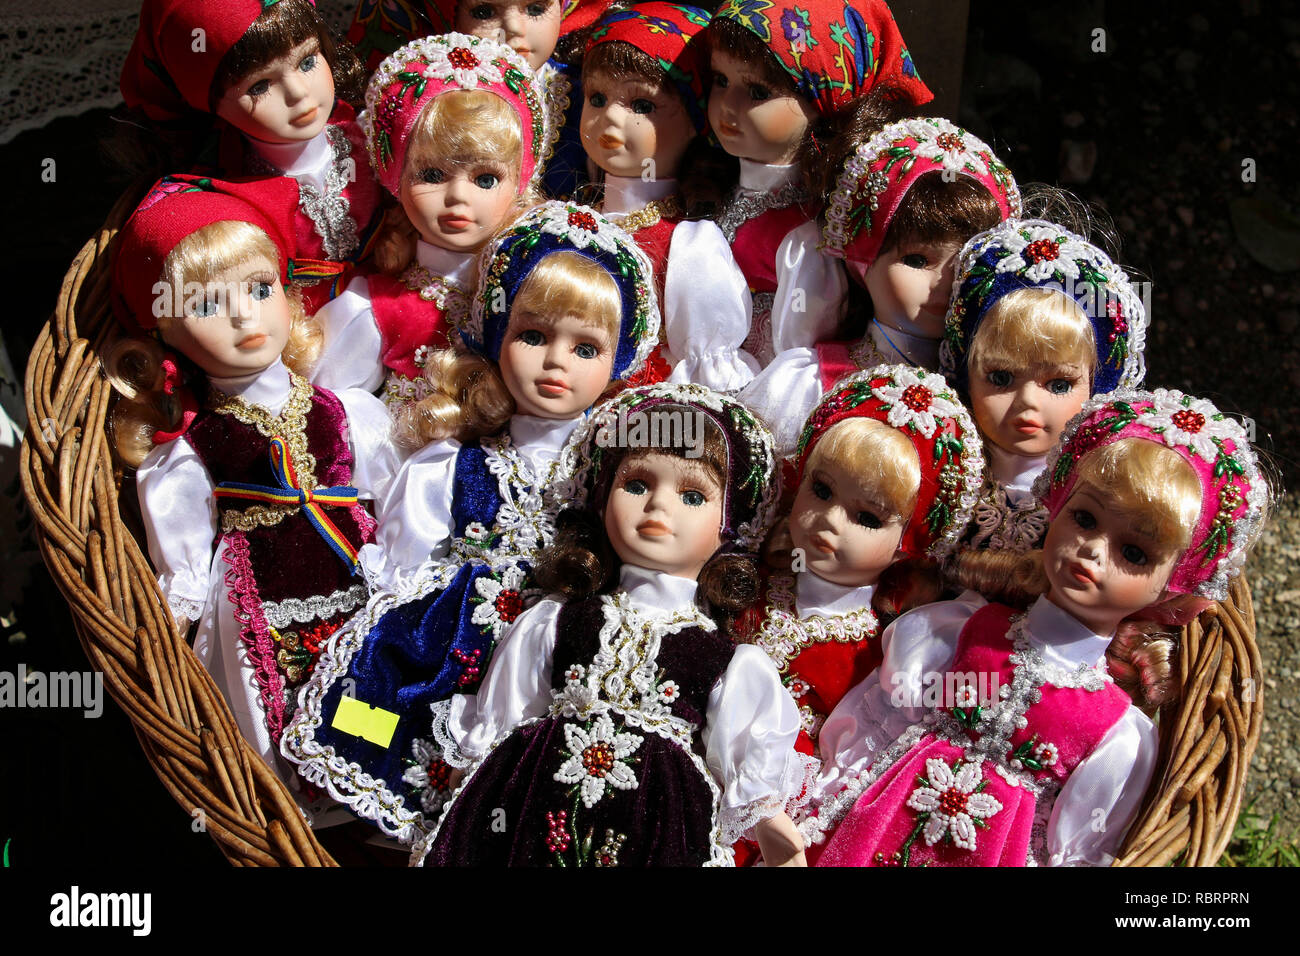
[780, 842]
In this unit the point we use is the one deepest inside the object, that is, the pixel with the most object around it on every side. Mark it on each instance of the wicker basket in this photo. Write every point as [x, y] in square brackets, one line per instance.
[190, 737]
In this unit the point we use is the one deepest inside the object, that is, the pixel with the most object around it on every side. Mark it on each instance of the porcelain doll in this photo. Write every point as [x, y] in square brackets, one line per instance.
[565, 305]
[1151, 496]
[779, 81]
[887, 468]
[616, 725]
[257, 505]
[453, 127]
[274, 76]
[905, 202]
[644, 81]
[1040, 320]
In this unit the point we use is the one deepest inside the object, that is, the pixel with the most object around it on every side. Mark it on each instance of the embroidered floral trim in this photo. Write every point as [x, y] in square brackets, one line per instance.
[428, 775]
[437, 289]
[747, 204]
[241, 589]
[648, 215]
[315, 608]
[784, 634]
[501, 598]
[950, 805]
[400, 390]
[598, 757]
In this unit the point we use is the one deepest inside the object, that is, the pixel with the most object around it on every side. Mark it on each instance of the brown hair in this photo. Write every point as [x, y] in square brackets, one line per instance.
[936, 210]
[729, 37]
[623, 61]
[852, 124]
[581, 562]
[276, 31]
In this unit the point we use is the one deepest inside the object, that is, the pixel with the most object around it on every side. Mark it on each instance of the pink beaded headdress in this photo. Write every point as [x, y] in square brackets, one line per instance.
[1234, 494]
[408, 80]
[923, 406]
[880, 172]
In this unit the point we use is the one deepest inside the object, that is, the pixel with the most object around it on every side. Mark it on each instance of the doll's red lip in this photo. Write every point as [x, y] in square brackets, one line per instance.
[653, 529]
[727, 129]
[455, 222]
[306, 119]
[1027, 426]
[609, 142]
[254, 341]
[821, 544]
[1082, 573]
[552, 386]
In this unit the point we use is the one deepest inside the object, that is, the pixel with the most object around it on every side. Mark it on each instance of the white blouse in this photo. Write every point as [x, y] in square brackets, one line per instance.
[305, 162]
[352, 356]
[417, 522]
[784, 394]
[816, 595]
[706, 303]
[919, 648]
[751, 723]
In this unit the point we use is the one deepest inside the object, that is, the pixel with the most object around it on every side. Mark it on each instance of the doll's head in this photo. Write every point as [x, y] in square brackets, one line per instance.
[906, 201]
[887, 468]
[564, 305]
[529, 27]
[643, 83]
[271, 70]
[1039, 321]
[776, 77]
[454, 130]
[675, 478]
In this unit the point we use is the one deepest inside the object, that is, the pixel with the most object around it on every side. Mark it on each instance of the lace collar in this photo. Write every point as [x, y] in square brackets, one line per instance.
[1062, 640]
[814, 595]
[657, 593]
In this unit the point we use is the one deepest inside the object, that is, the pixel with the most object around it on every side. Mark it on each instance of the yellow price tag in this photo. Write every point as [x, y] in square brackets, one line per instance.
[359, 719]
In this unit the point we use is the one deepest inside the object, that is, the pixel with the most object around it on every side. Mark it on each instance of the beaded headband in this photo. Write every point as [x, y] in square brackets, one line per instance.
[922, 406]
[881, 171]
[750, 496]
[1036, 254]
[1234, 494]
[550, 227]
[426, 68]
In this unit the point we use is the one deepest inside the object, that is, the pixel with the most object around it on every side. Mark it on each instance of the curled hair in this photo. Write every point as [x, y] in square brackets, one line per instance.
[1033, 328]
[853, 124]
[1141, 659]
[1087, 219]
[276, 31]
[457, 129]
[134, 367]
[1007, 577]
[881, 457]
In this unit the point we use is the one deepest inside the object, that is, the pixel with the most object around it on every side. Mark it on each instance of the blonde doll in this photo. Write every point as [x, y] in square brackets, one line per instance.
[454, 130]
[618, 724]
[1151, 496]
[564, 306]
[257, 503]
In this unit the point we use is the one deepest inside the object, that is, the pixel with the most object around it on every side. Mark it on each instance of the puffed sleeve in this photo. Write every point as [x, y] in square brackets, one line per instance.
[811, 290]
[784, 394]
[749, 734]
[517, 686]
[1098, 803]
[415, 520]
[352, 354]
[706, 309]
[376, 459]
[918, 648]
[180, 521]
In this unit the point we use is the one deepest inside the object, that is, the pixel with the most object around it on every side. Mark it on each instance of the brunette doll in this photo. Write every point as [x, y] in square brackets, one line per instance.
[781, 79]
[454, 132]
[284, 91]
[644, 81]
[565, 305]
[905, 202]
[617, 724]
[1151, 495]
[256, 503]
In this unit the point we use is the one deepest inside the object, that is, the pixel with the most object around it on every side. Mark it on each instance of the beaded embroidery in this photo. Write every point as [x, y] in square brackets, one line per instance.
[746, 204]
[303, 611]
[784, 634]
[648, 215]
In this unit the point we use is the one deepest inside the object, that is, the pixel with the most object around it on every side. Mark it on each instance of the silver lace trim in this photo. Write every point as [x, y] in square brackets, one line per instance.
[330, 211]
[316, 608]
[745, 204]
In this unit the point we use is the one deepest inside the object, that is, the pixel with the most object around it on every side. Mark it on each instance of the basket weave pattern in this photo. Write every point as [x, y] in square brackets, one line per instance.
[190, 737]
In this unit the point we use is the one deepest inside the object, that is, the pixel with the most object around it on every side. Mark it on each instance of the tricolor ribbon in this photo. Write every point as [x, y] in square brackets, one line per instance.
[313, 502]
[311, 271]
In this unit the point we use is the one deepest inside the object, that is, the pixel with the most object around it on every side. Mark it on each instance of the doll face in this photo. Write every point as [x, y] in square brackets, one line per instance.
[752, 120]
[632, 128]
[910, 285]
[846, 533]
[1024, 410]
[239, 325]
[529, 27]
[288, 100]
[555, 368]
[1101, 567]
[664, 513]
[459, 205]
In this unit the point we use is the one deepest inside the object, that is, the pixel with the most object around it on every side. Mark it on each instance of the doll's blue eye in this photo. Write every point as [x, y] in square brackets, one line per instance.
[259, 88]
[643, 106]
[636, 486]
[821, 490]
[433, 176]
[537, 9]
[261, 291]
[486, 181]
[532, 337]
[597, 100]
[868, 520]
[759, 93]
[1133, 554]
[1060, 386]
[206, 309]
[483, 11]
[719, 81]
[587, 351]
[1085, 519]
[915, 260]
[694, 499]
[1000, 378]
[308, 63]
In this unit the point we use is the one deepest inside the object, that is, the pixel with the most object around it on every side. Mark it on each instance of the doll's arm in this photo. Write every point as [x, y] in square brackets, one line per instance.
[517, 686]
[353, 353]
[1102, 796]
[784, 394]
[811, 291]
[750, 730]
[415, 521]
[180, 522]
[707, 309]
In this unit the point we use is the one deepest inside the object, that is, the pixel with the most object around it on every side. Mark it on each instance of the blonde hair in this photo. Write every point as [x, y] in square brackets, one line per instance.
[134, 366]
[457, 128]
[1152, 483]
[882, 458]
[1033, 327]
[467, 397]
